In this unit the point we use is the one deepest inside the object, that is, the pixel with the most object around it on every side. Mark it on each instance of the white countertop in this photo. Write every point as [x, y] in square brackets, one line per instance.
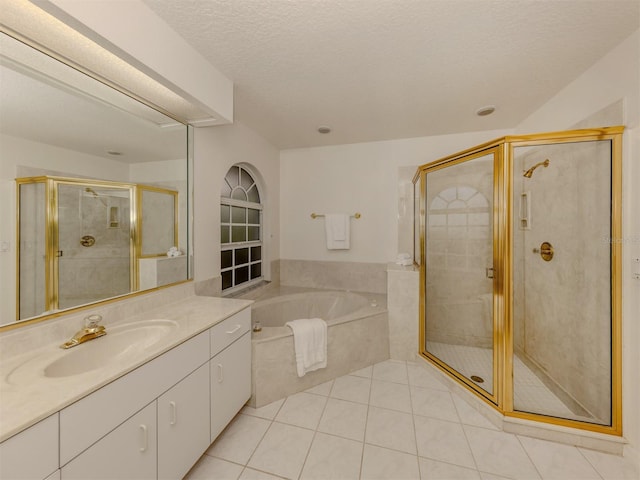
[25, 403]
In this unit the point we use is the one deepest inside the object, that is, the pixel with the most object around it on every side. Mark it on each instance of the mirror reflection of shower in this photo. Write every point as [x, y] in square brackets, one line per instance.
[95, 247]
[529, 172]
[105, 236]
[95, 195]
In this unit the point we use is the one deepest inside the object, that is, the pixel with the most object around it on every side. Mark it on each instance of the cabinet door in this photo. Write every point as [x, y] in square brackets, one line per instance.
[230, 383]
[32, 453]
[88, 420]
[129, 451]
[183, 424]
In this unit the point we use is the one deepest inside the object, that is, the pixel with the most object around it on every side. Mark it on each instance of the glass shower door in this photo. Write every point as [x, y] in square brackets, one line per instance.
[562, 290]
[94, 243]
[459, 269]
[32, 263]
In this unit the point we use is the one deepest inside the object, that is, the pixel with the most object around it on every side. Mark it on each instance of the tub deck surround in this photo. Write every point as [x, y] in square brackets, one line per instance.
[267, 303]
[358, 336]
[403, 302]
[33, 397]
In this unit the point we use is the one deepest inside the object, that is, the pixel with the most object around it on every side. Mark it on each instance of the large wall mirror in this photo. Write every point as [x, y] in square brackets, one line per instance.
[86, 173]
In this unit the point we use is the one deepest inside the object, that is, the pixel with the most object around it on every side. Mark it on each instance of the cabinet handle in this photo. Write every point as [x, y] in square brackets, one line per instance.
[238, 327]
[220, 377]
[174, 413]
[144, 438]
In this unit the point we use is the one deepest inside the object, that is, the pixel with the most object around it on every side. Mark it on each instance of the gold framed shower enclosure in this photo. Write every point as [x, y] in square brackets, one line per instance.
[499, 212]
[39, 275]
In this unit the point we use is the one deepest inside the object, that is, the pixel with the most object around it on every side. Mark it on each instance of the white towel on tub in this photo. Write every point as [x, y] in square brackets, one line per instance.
[310, 344]
[336, 226]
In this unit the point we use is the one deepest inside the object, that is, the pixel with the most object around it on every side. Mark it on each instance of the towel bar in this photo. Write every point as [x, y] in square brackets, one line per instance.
[316, 215]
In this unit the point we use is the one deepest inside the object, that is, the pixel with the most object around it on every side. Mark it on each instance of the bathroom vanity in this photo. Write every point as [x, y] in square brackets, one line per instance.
[145, 415]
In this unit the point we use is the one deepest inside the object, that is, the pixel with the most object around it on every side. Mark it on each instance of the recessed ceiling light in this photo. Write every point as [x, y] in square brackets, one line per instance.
[486, 110]
[324, 129]
[114, 152]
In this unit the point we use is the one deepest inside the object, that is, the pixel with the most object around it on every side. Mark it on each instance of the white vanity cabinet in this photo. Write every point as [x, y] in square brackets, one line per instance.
[183, 424]
[230, 369]
[151, 423]
[129, 451]
[89, 419]
[33, 453]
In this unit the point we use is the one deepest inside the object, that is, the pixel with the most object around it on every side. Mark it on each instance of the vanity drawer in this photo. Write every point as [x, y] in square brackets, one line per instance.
[229, 330]
[89, 419]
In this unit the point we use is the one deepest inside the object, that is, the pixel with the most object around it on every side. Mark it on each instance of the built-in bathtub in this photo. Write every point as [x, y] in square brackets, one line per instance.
[358, 336]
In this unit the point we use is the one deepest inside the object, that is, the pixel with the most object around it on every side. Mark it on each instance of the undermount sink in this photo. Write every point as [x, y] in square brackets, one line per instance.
[120, 342]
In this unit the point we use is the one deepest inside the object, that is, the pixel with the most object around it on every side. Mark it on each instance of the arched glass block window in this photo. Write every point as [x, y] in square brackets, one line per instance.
[240, 230]
[458, 222]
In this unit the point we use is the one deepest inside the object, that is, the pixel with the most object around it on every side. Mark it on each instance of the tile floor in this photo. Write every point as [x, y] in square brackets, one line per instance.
[393, 420]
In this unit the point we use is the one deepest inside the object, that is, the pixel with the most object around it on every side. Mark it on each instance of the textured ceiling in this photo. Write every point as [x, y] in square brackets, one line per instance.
[384, 69]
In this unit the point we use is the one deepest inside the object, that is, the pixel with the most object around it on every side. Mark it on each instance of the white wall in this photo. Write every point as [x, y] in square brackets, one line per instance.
[27, 153]
[162, 172]
[615, 77]
[216, 149]
[353, 178]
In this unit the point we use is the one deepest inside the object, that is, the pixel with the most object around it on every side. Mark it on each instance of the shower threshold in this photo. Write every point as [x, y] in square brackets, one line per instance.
[531, 393]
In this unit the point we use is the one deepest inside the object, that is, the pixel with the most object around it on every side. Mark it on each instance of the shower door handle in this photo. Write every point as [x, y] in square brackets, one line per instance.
[489, 272]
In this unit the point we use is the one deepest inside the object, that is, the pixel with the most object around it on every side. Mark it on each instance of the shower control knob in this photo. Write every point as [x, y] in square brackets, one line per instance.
[87, 241]
[545, 251]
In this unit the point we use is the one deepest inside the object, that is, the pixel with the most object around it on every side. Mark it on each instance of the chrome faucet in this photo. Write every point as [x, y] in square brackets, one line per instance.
[90, 331]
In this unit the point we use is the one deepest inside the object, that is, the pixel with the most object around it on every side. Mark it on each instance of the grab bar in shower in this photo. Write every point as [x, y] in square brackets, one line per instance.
[525, 211]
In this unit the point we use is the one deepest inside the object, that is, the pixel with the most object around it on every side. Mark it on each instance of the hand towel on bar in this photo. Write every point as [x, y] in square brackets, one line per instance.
[336, 227]
[310, 344]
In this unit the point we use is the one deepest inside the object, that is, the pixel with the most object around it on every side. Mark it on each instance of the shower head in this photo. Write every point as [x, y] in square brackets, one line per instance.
[95, 194]
[529, 172]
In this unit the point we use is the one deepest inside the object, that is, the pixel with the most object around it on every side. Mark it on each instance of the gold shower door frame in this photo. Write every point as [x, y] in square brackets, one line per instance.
[503, 231]
[467, 156]
[55, 225]
[51, 227]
